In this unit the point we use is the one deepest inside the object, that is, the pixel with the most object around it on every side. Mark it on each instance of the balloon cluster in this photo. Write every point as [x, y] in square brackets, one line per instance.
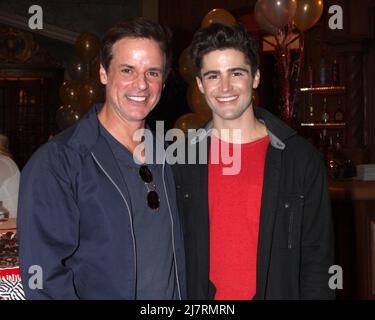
[84, 89]
[272, 15]
[201, 112]
[283, 19]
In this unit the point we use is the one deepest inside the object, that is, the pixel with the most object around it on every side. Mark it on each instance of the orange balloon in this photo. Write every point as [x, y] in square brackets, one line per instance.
[197, 102]
[87, 46]
[190, 121]
[68, 92]
[278, 12]
[218, 16]
[308, 13]
[186, 66]
[262, 21]
[91, 91]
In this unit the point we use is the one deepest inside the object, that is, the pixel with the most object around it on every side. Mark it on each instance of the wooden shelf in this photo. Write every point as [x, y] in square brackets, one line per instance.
[321, 125]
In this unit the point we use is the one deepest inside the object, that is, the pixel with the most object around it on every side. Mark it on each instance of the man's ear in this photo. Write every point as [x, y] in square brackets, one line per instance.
[200, 84]
[256, 79]
[103, 75]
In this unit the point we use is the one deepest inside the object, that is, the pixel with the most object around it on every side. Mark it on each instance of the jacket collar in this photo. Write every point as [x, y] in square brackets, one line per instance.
[277, 130]
[84, 136]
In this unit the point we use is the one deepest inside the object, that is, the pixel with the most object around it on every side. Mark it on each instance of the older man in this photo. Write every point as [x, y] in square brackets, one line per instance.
[98, 218]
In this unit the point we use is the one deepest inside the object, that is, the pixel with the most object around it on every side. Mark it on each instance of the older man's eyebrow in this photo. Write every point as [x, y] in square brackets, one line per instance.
[156, 69]
[126, 66]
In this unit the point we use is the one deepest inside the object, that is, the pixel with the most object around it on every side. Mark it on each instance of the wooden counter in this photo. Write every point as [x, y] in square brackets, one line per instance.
[352, 190]
[353, 208]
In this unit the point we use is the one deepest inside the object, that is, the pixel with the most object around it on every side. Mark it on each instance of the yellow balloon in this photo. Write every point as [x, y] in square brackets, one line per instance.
[91, 91]
[87, 46]
[262, 21]
[186, 66]
[197, 102]
[218, 16]
[190, 121]
[308, 13]
[69, 91]
[278, 12]
[78, 70]
[66, 116]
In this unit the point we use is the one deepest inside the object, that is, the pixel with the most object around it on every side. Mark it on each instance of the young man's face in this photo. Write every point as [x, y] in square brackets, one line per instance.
[227, 83]
[134, 79]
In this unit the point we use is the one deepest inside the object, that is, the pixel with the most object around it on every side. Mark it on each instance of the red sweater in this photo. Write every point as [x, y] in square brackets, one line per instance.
[234, 211]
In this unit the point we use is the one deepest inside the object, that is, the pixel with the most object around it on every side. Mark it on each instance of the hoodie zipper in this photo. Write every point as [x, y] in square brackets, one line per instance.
[130, 217]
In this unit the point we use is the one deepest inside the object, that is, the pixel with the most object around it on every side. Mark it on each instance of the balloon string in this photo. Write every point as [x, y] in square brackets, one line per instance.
[300, 62]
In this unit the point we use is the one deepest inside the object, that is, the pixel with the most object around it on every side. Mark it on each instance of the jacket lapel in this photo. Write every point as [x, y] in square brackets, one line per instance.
[103, 154]
[269, 204]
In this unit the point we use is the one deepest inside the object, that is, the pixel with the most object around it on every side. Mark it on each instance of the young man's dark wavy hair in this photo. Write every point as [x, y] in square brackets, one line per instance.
[218, 36]
[137, 28]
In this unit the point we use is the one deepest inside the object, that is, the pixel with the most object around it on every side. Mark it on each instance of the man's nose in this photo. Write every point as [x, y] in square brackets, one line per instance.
[141, 81]
[226, 84]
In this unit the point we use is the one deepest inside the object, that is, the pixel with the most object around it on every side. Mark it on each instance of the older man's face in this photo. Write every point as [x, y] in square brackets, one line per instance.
[134, 79]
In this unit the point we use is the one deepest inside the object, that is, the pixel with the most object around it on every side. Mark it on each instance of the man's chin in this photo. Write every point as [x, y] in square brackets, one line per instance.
[228, 115]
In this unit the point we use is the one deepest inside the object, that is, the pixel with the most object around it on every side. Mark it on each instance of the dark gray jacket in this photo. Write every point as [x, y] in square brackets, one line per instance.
[295, 247]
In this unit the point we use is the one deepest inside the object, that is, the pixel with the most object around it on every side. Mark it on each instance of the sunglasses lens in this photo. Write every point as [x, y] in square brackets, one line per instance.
[145, 174]
[153, 200]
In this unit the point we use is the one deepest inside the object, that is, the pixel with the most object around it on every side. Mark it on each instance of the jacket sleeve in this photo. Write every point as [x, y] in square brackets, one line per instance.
[317, 253]
[47, 225]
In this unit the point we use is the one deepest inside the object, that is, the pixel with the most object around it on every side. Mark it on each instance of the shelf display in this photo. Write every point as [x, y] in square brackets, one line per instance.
[322, 121]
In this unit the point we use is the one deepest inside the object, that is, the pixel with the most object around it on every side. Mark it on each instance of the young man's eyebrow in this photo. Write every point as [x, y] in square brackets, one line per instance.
[216, 72]
[211, 72]
[238, 69]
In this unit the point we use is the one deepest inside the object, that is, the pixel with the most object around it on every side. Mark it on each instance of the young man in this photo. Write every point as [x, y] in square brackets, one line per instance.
[98, 224]
[264, 232]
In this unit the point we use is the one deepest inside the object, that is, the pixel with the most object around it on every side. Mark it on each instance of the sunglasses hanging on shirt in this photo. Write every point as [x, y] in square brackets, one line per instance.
[153, 200]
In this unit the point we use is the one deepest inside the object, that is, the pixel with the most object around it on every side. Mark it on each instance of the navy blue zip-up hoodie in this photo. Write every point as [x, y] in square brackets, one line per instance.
[75, 222]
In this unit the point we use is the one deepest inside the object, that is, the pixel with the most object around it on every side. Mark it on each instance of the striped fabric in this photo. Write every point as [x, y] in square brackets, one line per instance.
[11, 289]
